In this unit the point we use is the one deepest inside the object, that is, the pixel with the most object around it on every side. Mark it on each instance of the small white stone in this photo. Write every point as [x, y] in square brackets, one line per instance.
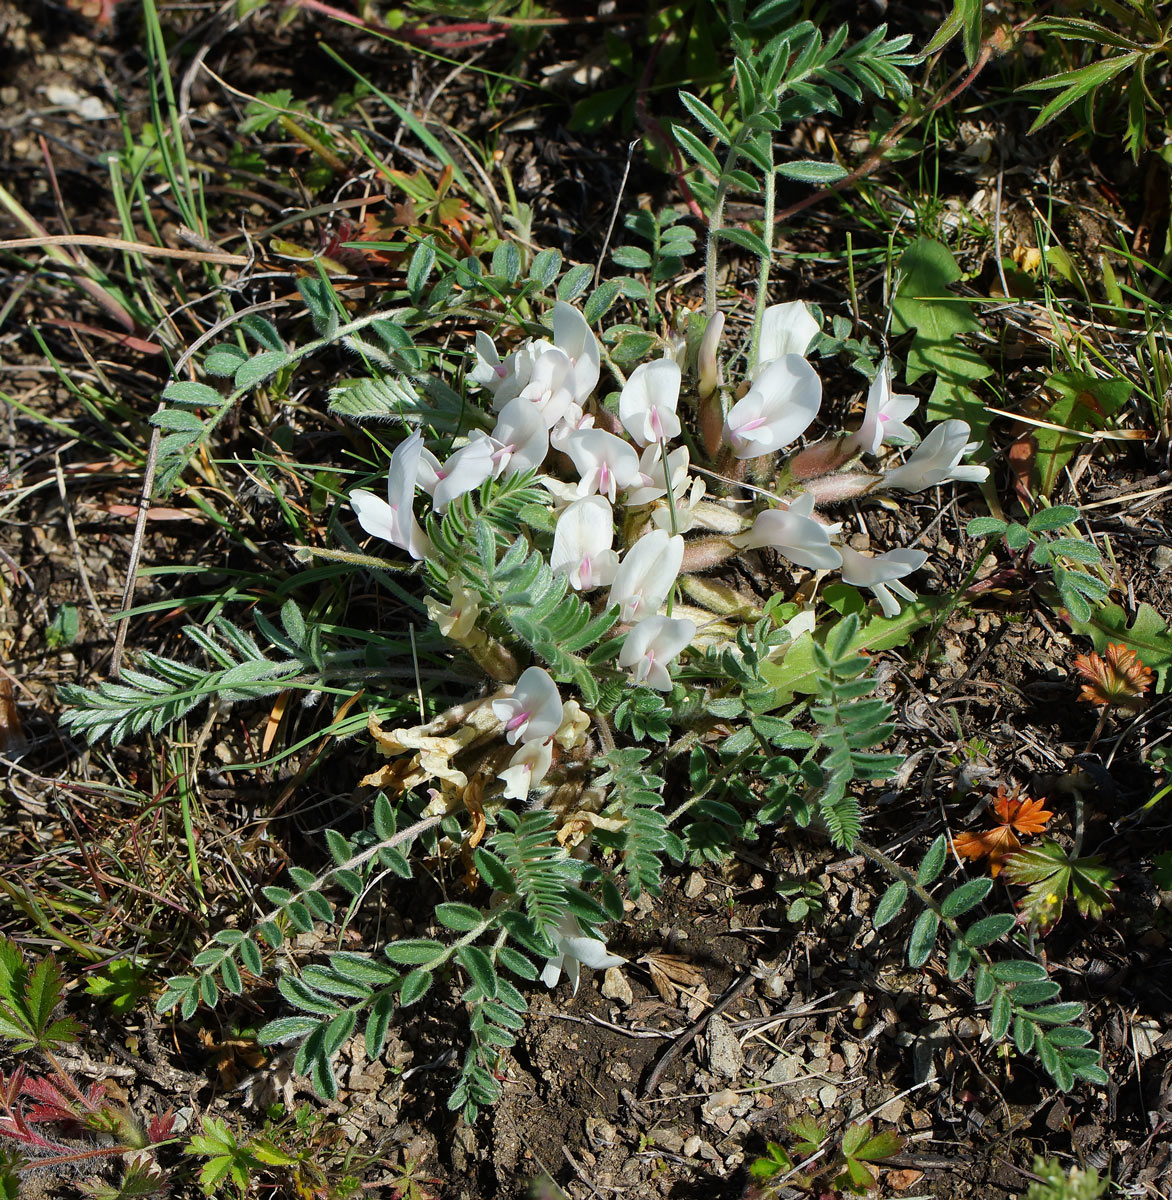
[725, 1056]
[694, 885]
[616, 987]
[692, 1146]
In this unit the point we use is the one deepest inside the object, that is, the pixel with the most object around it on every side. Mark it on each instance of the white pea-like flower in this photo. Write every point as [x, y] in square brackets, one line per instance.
[785, 329]
[582, 540]
[881, 574]
[526, 769]
[533, 713]
[573, 951]
[393, 519]
[936, 460]
[794, 534]
[646, 574]
[605, 463]
[647, 403]
[651, 645]
[776, 410]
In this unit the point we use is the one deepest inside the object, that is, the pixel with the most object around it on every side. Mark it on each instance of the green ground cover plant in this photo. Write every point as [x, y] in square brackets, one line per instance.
[603, 566]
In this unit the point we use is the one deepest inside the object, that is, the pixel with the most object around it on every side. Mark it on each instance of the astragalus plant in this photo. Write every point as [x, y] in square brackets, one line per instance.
[575, 518]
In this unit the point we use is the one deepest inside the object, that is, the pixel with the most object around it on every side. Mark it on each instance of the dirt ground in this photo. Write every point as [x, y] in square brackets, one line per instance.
[731, 1021]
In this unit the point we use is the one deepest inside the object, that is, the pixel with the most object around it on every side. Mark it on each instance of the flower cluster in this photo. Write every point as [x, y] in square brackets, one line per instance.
[621, 473]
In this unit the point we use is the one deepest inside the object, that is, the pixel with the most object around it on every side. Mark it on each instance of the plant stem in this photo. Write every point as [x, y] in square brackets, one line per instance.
[767, 261]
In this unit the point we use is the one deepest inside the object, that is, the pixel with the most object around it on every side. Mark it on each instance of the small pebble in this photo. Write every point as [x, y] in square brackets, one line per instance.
[692, 1146]
[616, 987]
[694, 886]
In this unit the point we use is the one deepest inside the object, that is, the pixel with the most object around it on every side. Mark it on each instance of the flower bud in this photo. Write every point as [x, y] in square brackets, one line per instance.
[719, 598]
[707, 364]
[834, 489]
[819, 459]
[701, 554]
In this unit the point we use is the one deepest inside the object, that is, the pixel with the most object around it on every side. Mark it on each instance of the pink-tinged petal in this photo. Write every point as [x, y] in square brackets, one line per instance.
[646, 574]
[582, 543]
[884, 415]
[489, 371]
[521, 437]
[776, 410]
[651, 645]
[653, 479]
[647, 403]
[605, 463]
[534, 711]
[467, 469]
[430, 472]
[526, 769]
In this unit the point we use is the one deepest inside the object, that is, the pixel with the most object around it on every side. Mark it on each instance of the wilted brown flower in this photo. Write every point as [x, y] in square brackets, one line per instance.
[1118, 679]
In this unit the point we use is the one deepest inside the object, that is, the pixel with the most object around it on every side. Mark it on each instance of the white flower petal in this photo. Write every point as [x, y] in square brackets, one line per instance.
[646, 574]
[776, 410]
[647, 403]
[526, 769]
[651, 645]
[534, 711]
[574, 337]
[582, 543]
[785, 329]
